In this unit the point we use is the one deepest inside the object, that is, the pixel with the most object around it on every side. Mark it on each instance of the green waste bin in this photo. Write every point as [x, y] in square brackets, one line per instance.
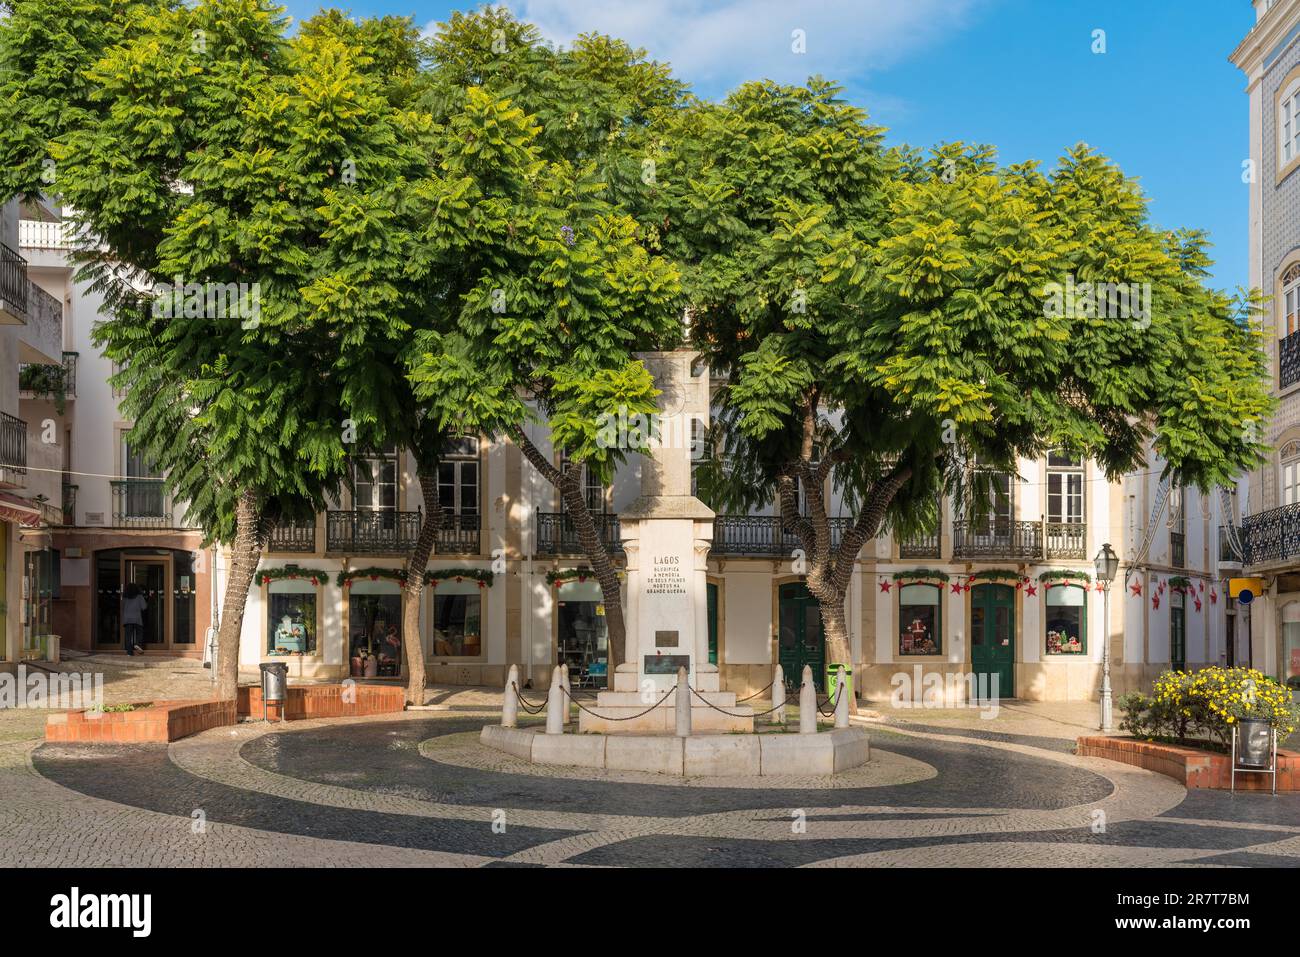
[831, 678]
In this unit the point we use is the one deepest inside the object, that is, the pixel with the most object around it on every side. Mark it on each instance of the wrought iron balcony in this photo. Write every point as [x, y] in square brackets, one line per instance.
[13, 444]
[557, 535]
[459, 534]
[292, 537]
[49, 381]
[1066, 540]
[13, 286]
[920, 545]
[141, 503]
[1271, 536]
[369, 532]
[1288, 360]
[1177, 549]
[997, 539]
[764, 535]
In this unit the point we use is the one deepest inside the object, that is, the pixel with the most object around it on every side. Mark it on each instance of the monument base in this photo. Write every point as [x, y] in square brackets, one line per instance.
[621, 712]
[719, 755]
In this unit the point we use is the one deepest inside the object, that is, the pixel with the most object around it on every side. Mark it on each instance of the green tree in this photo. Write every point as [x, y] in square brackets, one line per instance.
[889, 321]
[201, 146]
[552, 285]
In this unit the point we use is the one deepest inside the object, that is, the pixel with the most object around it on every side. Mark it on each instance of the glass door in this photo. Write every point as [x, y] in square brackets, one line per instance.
[150, 576]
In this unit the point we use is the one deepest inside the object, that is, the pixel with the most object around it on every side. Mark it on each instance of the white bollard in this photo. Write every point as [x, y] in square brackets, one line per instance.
[556, 705]
[510, 701]
[807, 703]
[683, 705]
[564, 682]
[841, 699]
[778, 697]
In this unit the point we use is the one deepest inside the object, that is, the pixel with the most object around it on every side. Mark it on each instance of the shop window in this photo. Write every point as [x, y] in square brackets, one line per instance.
[291, 618]
[1067, 620]
[920, 618]
[375, 627]
[457, 620]
[581, 637]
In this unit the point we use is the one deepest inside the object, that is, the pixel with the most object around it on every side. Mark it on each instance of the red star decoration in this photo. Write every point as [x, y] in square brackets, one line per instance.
[1200, 586]
[956, 588]
[1031, 590]
[1155, 601]
[884, 586]
[1214, 597]
[1198, 603]
[1135, 588]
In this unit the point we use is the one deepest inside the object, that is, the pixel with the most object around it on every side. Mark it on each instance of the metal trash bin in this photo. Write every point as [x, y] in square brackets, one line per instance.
[1255, 743]
[275, 686]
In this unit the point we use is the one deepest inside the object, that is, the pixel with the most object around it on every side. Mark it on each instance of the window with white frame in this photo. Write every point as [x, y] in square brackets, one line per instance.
[1290, 464]
[1289, 321]
[374, 479]
[458, 488]
[1065, 488]
[593, 490]
[1288, 127]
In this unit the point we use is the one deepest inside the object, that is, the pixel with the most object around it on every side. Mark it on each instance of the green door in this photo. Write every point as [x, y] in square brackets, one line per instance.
[801, 637]
[993, 638]
[711, 589]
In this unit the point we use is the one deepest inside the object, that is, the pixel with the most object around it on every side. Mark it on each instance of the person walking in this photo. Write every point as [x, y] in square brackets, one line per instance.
[133, 607]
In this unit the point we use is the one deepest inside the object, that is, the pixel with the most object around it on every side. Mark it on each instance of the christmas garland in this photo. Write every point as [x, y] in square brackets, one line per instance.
[1065, 575]
[997, 574]
[558, 576]
[268, 575]
[482, 576]
[921, 574]
[1180, 583]
[431, 577]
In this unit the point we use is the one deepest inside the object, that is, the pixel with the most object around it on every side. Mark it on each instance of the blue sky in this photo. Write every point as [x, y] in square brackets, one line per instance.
[1162, 100]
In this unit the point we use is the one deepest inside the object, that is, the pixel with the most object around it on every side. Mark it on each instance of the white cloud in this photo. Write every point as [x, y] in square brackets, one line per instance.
[716, 44]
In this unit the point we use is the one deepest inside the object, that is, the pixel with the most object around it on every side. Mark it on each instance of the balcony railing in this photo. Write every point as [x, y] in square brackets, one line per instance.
[50, 381]
[367, 532]
[1066, 540]
[13, 280]
[1271, 536]
[557, 535]
[1288, 360]
[920, 545]
[1177, 549]
[292, 537]
[997, 539]
[763, 535]
[13, 443]
[34, 234]
[459, 534]
[141, 503]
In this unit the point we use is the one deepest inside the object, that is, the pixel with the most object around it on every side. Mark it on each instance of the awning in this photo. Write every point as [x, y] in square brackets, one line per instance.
[23, 511]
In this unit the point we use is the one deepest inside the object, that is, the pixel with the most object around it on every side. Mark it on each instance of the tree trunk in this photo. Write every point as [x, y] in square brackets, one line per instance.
[602, 566]
[835, 623]
[413, 589]
[245, 554]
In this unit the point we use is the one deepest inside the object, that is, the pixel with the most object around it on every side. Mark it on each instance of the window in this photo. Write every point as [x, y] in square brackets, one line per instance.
[1177, 632]
[457, 620]
[142, 491]
[374, 481]
[1289, 123]
[1289, 321]
[593, 490]
[920, 620]
[996, 520]
[375, 628]
[1290, 457]
[1067, 620]
[458, 490]
[1064, 488]
[291, 618]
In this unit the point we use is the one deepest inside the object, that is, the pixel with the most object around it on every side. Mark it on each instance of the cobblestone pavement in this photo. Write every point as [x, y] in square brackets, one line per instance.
[417, 789]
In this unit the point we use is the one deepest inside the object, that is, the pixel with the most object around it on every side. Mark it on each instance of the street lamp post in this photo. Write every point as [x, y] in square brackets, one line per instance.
[1106, 565]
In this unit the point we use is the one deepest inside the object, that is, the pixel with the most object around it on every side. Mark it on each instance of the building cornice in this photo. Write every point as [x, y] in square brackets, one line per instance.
[1265, 36]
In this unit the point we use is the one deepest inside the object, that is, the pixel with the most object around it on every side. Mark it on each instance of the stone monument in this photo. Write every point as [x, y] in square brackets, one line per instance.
[666, 535]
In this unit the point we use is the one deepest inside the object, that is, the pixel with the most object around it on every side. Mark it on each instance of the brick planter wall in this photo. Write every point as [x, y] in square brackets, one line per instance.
[1191, 767]
[325, 701]
[159, 723]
